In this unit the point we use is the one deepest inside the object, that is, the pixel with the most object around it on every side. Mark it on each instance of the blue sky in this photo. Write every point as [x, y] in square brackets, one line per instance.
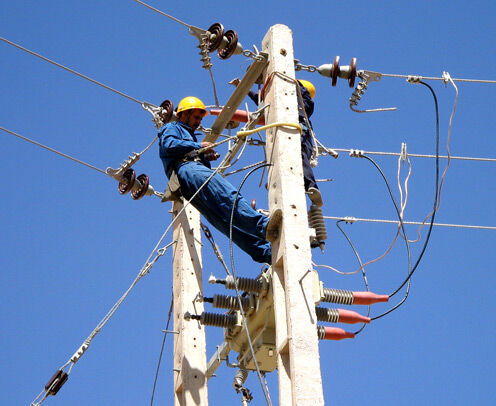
[72, 245]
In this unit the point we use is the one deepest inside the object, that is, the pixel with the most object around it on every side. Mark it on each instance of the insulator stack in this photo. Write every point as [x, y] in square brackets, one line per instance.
[338, 296]
[240, 378]
[348, 297]
[333, 333]
[56, 382]
[316, 221]
[246, 284]
[218, 320]
[328, 315]
[230, 302]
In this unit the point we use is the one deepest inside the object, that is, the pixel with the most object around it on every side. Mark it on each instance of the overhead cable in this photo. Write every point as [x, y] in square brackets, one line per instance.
[71, 70]
[54, 150]
[462, 158]
[350, 219]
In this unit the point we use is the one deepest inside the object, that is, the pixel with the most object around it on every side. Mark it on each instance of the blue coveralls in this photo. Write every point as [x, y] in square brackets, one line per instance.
[215, 200]
[306, 138]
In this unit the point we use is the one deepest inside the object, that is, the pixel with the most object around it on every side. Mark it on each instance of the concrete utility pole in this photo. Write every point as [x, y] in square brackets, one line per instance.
[190, 364]
[298, 360]
[300, 381]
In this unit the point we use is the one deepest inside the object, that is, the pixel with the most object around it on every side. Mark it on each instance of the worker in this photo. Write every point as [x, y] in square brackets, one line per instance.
[307, 90]
[216, 196]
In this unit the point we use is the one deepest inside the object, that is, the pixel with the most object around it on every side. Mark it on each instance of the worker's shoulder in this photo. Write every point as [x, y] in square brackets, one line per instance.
[173, 126]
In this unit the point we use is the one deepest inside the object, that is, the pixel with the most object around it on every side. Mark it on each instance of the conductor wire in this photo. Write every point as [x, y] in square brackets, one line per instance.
[410, 274]
[245, 326]
[70, 70]
[53, 150]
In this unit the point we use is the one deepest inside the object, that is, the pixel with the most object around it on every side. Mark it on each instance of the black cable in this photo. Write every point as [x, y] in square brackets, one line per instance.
[436, 196]
[364, 275]
[233, 272]
[162, 349]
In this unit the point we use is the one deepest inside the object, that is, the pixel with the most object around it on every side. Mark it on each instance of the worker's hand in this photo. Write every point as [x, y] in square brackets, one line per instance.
[206, 144]
[235, 82]
[212, 156]
[209, 154]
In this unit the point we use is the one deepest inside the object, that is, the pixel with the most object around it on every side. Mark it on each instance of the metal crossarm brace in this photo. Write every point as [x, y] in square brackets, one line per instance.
[237, 97]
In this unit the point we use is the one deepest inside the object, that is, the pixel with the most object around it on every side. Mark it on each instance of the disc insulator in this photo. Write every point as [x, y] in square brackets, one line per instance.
[216, 31]
[232, 42]
[145, 182]
[129, 176]
[353, 72]
[335, 71]
[168, 108]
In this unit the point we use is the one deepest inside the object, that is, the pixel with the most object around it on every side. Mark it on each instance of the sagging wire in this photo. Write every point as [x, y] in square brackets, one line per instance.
[166, 331]
[57, 383]
[402, 225]
[403, 202]
[434, 210]
[447, 77]
[238, 295]
[364, 275]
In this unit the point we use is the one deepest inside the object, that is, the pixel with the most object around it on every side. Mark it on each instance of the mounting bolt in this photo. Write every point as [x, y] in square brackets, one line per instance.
[283, 52]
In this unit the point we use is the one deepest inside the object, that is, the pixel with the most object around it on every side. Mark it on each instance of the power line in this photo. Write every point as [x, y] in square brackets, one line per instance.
[54, 150]
[70, 70]
[390, 75]
[463, 158]
[350, 219]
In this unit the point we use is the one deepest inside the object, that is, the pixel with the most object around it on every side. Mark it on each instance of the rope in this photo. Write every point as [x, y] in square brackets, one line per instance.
[54, 150]
[70, 70]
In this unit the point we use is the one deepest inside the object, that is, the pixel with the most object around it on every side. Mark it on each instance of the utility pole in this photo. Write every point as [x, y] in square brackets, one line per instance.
[298, 360]
[297, 352]
[190, 383]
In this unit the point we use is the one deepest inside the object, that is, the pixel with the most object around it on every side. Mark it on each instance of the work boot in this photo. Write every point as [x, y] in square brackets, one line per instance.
[272, 231]
[315, 196]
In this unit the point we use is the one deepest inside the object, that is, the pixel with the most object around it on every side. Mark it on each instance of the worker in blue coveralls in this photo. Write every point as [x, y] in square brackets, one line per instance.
[216, 197]
[307, 90]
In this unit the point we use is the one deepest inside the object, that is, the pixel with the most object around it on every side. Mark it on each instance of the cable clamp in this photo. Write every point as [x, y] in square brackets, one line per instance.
[357, 153]
[156, 112]
[349, 220]
[404, 154]
[366, 77]
[446, 78]
[414, 79]
[117, 173]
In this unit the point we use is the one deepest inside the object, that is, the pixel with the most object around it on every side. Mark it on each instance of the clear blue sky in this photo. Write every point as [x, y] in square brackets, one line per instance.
[71, 245]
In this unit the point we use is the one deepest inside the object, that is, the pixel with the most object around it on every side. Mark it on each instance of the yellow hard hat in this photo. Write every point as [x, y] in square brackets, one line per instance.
[190, 103]
[309, 86]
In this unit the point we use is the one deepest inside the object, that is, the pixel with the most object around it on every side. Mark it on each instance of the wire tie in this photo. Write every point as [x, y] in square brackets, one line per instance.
[349, 220]
[404, 154]
[414, 79]
[446, 78]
